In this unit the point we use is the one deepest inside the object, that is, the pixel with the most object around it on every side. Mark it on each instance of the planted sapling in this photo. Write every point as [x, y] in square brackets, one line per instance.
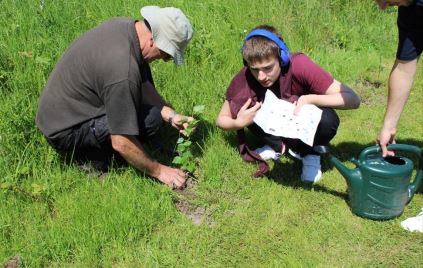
[185, 158]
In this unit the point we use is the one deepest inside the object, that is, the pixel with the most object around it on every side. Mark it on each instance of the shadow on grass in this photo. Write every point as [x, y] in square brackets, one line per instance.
[288, 172]
[163, 146]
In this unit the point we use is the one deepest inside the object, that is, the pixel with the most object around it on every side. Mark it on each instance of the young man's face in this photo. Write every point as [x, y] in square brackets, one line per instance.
[266, 71]
[385, 3]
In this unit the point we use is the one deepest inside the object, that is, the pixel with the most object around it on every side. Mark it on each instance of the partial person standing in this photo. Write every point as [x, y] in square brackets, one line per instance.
[410, 47]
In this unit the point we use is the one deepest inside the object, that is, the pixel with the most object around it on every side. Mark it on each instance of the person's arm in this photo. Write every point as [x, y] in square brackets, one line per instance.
[131, 150]
[400, 82]
[244, 118]
[338, 96]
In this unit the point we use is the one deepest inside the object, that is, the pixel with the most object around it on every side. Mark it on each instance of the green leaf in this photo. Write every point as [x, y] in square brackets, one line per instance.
[180, 140]
[186, 143]
[177, 160]
[188, 154]
[190, 167]
[188, 131]
[181, 148]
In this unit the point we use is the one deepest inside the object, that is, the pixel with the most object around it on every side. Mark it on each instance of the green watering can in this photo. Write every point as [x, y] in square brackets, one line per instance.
[379, 187]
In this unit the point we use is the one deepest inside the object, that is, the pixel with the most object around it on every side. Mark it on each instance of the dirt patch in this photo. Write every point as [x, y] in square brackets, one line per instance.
[13, 262]
[183, 203]
[370, 84]
[371, 92]
[196, 214]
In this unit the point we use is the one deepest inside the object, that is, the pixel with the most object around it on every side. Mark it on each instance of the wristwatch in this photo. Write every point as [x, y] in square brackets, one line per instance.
[172, 115]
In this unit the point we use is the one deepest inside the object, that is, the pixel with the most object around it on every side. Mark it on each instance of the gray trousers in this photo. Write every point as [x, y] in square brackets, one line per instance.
[90, 141]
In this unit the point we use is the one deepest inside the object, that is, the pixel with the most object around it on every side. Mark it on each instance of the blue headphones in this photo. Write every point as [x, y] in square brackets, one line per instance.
[284, 52]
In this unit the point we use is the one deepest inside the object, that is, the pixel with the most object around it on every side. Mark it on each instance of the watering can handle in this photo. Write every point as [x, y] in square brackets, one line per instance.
[400, 147]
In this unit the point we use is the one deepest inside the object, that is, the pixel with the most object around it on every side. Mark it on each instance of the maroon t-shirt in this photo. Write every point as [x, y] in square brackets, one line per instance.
[302, 77]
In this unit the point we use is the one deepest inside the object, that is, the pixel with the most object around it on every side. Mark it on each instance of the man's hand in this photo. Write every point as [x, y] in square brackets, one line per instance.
[181, 122]
[246, 115]
[130, 148]
[386, 136]
[173, 177]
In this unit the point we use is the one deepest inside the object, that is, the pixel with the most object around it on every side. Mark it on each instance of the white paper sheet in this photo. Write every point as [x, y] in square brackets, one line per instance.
[277, 117]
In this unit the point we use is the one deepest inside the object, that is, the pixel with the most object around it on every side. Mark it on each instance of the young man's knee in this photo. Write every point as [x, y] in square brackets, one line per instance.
[328, 126]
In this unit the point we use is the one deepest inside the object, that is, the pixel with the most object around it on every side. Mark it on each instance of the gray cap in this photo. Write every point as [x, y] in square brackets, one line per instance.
[171, 30]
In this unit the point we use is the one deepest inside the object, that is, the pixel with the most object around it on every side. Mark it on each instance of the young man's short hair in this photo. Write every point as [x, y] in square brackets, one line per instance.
[260, 48]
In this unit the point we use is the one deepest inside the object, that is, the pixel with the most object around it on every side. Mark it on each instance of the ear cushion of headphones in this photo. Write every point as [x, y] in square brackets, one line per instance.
[284, 52]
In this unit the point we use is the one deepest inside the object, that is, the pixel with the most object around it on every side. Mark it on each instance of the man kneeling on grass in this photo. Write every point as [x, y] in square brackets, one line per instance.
[100, 98]
[291, 77]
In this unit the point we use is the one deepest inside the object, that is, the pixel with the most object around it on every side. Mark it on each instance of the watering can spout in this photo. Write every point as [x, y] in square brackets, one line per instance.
[352, 176]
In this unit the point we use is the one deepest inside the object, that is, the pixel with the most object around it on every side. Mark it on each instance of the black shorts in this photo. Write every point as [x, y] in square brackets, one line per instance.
[410, 32]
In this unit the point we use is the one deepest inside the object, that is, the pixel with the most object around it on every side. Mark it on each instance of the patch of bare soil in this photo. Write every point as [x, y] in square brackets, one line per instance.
[370, 92]
[13, 262]
[184, 204]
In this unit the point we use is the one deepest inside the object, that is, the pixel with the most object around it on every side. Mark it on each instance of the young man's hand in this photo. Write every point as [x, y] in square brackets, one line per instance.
[246, 115]
[302, 100]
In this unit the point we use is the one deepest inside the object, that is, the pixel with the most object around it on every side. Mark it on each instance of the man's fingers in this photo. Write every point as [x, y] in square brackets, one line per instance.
[384, 150]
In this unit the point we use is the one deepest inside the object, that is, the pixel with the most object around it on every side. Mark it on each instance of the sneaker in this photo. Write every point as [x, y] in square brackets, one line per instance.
[311, 168]
[266, 153]
[414, 224]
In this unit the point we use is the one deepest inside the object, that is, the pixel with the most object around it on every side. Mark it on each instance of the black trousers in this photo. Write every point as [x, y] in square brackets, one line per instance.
[325, 132]
[90, 141]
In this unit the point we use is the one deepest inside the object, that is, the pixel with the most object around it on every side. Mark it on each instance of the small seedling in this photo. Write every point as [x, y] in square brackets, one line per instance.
[185, 158]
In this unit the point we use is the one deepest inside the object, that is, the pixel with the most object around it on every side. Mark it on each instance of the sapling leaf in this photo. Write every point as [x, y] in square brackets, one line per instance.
[190, 167]
[181, 149]
[177, 160]
[188, 130]
[186, 143]
[185, 157]
[188, 154]
[184, 120]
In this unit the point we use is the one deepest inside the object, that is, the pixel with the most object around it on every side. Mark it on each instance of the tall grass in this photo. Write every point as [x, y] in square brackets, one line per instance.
[52, 214]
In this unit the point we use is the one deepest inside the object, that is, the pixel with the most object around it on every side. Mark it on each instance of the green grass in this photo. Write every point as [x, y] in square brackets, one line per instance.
[55, 215]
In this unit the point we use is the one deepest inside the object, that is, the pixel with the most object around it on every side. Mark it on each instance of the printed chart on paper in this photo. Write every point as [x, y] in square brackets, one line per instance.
[276, 117]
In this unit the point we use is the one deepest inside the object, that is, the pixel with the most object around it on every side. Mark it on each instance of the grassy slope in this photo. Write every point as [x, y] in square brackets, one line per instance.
[128, 221]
